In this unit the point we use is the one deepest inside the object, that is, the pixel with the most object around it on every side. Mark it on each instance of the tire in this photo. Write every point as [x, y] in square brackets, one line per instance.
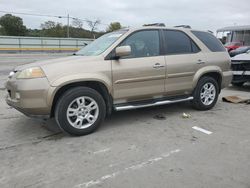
[238, 84]
[80, 111]
[200, 95]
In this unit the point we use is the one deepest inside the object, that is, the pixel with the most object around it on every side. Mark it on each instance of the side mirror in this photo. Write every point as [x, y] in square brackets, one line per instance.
[122, 51]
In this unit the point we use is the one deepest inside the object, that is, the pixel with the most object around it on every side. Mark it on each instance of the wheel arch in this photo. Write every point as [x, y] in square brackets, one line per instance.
[97, 85]
[213, 71]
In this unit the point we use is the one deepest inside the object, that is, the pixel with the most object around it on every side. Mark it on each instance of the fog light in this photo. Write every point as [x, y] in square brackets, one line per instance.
[18, 95]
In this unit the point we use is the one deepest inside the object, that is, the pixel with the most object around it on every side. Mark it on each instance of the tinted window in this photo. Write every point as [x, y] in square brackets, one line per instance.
[179, 43]
[143, 43]
[210, 41]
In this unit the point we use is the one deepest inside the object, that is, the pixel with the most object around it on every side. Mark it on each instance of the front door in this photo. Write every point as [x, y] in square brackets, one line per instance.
[142, 74]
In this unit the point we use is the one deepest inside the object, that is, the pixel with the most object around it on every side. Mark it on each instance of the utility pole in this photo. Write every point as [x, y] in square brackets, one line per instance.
[68, 26]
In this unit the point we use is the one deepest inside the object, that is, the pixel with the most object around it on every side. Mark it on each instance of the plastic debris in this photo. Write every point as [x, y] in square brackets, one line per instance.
[184, 115]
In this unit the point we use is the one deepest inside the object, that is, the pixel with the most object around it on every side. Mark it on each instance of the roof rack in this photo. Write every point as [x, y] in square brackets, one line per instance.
[155, 24]
[184, 26]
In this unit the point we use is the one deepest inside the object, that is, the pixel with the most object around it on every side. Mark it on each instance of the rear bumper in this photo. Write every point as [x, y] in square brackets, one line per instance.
[28, 96]
[227, 79]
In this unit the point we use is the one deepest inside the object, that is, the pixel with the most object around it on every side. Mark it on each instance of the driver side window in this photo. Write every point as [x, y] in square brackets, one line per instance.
[143, 44]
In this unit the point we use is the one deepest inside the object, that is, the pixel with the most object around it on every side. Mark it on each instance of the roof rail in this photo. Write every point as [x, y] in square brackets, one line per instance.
[184, 26]
[155, 24]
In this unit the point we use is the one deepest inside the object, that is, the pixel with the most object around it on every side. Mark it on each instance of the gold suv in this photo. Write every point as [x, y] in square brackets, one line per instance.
[122, 70]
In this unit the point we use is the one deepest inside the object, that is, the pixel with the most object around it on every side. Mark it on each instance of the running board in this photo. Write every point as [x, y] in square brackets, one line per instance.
[157, 103]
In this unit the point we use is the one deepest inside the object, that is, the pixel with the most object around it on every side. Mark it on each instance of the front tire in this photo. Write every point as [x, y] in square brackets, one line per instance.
[206, 93]
[80, 111]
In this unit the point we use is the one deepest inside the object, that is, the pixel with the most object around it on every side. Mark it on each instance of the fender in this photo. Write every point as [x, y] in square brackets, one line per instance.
[62, 81]
[205, 70]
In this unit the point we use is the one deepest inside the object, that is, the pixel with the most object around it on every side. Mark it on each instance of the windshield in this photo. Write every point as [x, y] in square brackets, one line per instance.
[101, 44]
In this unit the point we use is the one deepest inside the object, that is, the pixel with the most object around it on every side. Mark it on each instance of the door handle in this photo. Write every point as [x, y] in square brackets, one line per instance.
[200, 62]
[158, 65]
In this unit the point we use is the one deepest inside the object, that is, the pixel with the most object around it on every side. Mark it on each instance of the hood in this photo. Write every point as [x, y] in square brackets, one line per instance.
[71, 67]
[57, 61]
[241, 57]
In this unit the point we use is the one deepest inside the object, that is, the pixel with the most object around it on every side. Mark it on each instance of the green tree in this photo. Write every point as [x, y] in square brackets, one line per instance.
[114, 26]
[53, 29]
[12, 25]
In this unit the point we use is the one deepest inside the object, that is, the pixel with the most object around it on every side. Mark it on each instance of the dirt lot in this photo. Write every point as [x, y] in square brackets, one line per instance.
[153, 147]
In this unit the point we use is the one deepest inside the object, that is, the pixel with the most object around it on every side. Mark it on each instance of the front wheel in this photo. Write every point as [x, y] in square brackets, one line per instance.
[80, 111]
[206, 93]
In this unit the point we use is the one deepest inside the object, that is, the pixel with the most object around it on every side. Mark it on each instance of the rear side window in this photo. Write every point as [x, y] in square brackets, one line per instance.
[178, 42]
[210, 41]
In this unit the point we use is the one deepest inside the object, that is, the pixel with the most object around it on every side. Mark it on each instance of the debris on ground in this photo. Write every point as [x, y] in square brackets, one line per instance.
[236, 99]
[159, 117]
[184, 115]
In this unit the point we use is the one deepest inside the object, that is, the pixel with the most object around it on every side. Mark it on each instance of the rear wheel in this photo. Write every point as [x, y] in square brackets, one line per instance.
[80, 111]
[206, 93]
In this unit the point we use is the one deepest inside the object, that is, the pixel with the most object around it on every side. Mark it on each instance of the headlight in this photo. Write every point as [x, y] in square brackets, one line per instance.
[34, 72]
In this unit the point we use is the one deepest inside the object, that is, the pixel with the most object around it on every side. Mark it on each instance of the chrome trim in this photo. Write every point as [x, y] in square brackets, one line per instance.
[140, 79]
[182, 74]
[241, 73]
[130, 107]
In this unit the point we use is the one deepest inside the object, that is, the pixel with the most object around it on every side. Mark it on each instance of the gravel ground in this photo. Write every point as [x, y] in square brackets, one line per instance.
[152, 147]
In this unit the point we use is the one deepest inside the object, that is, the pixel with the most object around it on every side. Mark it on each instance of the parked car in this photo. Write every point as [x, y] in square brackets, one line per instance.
[122, 70]
[240, 50]
[241, 68]
[233, 45]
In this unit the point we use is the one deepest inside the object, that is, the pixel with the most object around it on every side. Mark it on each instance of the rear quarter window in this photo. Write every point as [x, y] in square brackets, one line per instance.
[210, 41]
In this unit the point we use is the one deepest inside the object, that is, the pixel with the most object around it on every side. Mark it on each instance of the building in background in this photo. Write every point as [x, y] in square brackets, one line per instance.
[235, 34]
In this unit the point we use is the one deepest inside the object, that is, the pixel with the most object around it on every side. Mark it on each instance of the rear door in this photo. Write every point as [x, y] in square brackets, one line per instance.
[142, 74]
[183, 59]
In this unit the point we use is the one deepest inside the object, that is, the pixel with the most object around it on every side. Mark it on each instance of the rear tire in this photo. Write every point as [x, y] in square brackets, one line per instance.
[206, 93]
[80, 111]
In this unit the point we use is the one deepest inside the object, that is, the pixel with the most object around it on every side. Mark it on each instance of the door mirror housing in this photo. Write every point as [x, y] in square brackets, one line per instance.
[122, 51]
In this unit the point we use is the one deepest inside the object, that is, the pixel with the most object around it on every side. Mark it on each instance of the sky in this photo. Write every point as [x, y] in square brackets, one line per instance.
[199, 14]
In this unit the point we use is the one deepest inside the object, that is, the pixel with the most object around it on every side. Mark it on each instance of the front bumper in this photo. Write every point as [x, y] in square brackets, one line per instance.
[241, 71]
[28, 96]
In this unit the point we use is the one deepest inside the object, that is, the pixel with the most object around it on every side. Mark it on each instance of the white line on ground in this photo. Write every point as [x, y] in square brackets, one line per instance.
[102, 151]
[132, 167]
[202, 130]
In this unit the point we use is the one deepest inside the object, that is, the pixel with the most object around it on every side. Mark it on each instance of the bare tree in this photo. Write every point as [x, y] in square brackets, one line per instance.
[93, 25]
[77, 23]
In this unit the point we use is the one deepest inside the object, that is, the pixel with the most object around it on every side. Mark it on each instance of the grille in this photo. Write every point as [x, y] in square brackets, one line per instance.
[240, 66]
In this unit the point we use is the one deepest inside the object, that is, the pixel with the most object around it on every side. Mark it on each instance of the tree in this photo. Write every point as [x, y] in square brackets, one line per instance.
[12, 25]
[114, 26]
[53, 29]
[77, 23]
[93, 26]
[48, 25]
